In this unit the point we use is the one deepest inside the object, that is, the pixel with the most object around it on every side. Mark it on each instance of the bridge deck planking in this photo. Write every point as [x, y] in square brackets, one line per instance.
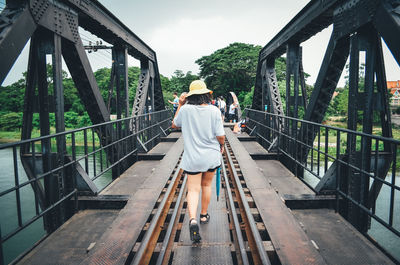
[132, 179]
[254, 147]
[282, 180]
[68, 244]
[337, 240]
[215, 246]
[162, 148]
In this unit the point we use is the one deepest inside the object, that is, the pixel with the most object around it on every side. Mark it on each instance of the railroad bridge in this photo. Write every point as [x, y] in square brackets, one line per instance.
[293, 191]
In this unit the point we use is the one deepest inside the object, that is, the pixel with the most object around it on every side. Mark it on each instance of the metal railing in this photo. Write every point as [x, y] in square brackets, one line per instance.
[43, 181]
[360, 169]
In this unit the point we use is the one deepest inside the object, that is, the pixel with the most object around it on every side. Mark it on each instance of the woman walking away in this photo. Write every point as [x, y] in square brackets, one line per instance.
[204, 136]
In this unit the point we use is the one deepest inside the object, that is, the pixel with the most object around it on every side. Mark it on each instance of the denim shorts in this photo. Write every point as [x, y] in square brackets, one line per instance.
[195, 173]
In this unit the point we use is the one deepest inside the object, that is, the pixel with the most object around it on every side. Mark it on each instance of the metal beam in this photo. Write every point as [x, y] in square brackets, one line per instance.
[28, 160]
[17, 27]
[259, 97]
[387, 22]
[328, 77]
[313, 18]
[82, 74]
[56, 17]
[120, 65]
[141, 90]
[158, 95]
[95, 18]
[58, 91]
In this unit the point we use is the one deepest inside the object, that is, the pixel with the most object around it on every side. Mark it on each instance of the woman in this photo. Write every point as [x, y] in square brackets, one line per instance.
[204, 136]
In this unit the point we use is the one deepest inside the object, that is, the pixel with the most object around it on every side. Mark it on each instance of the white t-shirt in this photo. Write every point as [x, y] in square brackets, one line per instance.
[232, 109]
[222, 104]
[200, 126]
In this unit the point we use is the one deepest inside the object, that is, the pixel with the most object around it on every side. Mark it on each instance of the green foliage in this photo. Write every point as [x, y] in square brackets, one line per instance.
[232, 68]
[180, 82]
[339, 104]
[10, 121]
[280, 68]
[36, 120]
[103, 77]
[133, 80]
[71, 119]
[12, 97]
[246, 98]
[84, 120]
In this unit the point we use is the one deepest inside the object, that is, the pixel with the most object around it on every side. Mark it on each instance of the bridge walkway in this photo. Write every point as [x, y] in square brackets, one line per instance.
[302, 228]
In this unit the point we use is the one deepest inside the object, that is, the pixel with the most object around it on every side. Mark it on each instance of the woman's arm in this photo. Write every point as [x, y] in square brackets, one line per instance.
[221, 141]
[182, 101]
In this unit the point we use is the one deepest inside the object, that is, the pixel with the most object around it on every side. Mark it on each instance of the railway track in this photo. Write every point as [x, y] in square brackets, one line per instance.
[164, 230]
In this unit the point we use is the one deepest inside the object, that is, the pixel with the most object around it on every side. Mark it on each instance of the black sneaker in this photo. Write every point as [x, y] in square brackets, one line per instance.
[194, 231]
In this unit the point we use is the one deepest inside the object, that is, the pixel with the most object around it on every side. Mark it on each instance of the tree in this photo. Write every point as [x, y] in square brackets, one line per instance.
[232, 68]
[12, 97]
[339, 104]
[180, 82]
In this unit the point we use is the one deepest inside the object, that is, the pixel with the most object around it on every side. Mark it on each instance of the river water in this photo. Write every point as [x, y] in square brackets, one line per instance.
[8, 203]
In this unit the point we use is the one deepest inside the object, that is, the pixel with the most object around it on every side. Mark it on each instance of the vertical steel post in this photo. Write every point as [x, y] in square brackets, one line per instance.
[289, 61]
[120, 59]
[368, 112]
[337, 180]
[59, 117]
[17, 191]
[29, 100]
[44, 45]
[350, 179]
[74, 175]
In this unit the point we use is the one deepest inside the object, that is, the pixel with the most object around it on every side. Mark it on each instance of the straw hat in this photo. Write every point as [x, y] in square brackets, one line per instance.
[198, 87]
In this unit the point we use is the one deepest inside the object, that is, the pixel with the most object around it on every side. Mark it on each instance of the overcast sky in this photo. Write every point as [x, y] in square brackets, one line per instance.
[182, 31]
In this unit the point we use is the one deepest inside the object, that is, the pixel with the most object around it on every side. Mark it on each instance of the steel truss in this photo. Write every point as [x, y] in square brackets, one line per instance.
[52, 26]
[358, 26]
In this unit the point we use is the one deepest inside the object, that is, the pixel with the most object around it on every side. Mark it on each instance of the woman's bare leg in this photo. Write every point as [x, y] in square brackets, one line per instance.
[194, 185]
[206, 182]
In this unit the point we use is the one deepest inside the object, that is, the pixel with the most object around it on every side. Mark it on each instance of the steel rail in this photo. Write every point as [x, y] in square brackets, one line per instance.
[251, 222]
[166, 243]
[144, 251]
[239, 236]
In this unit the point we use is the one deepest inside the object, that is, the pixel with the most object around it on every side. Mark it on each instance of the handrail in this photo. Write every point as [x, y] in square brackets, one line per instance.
[113, 157]
[382, 138]
[7, 145]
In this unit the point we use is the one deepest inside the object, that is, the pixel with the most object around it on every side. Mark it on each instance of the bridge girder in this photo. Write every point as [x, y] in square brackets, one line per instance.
[358, 26]
[53, 28]
[22, 18]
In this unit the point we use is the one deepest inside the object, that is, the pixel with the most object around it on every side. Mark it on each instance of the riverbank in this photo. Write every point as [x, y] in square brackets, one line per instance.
[15, 136]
